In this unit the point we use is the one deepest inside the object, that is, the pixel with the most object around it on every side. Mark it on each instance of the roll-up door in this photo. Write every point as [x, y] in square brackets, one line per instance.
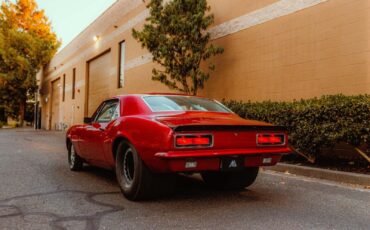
[99, 82]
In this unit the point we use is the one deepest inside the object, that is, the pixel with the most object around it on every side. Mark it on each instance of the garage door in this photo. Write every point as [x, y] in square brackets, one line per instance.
[55, 104]
[99, 82]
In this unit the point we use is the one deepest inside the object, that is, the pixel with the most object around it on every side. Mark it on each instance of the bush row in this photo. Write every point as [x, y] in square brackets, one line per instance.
[314, 124]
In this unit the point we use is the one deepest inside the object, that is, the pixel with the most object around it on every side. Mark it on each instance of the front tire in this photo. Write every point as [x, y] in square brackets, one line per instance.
[74, 160]
[136, 181]
[231, 180]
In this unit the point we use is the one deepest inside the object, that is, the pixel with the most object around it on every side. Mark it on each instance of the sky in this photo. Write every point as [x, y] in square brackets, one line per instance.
[70, 17]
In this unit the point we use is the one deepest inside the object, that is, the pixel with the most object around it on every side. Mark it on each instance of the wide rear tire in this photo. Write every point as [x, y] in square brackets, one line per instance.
[136, 181]
[231, 180]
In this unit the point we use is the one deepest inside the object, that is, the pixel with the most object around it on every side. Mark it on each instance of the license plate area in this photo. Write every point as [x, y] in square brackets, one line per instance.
[232, 163]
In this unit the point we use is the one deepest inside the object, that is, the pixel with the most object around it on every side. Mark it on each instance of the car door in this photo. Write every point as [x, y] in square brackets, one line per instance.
[95, 134]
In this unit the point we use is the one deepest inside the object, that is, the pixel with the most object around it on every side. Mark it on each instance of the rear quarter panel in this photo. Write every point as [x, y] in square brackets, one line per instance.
[147, 135]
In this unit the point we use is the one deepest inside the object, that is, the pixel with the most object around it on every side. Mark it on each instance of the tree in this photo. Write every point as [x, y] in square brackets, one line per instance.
[176, 35]
[27, 43]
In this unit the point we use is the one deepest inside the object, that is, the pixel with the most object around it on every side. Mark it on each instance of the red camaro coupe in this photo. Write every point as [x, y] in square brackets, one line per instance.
[148, 138]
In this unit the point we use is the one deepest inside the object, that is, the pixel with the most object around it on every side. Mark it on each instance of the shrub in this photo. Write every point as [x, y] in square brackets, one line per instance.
[314, 124]
[1, 124]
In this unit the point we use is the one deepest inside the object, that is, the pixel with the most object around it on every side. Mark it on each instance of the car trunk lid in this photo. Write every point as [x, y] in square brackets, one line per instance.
[228, 130]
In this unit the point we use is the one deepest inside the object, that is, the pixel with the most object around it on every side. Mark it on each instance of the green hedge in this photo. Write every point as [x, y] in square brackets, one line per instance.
[316, 123]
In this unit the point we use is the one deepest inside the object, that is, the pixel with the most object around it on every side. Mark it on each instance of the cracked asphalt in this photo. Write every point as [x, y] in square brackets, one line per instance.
[37, 191]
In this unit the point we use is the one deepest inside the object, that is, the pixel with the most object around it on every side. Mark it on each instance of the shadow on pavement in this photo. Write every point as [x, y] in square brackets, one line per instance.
[188, 187]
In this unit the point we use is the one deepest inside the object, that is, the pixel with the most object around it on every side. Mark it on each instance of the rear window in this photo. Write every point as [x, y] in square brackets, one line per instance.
[183, 103]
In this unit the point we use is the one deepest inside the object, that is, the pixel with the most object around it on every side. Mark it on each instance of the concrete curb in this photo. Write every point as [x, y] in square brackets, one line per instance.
[337, 176]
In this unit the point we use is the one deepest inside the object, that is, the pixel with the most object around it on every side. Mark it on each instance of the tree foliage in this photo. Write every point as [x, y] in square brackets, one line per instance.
[176, 35]
[27, 43]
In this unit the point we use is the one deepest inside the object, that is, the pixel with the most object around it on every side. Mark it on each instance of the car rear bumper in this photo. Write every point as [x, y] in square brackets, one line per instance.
[210, 160]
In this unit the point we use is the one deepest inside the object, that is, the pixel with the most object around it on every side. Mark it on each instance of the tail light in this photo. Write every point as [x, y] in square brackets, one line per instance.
[193, 140]
[270, 139]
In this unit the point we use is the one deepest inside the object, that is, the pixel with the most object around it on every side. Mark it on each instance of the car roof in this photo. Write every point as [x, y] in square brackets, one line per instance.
[149, 94]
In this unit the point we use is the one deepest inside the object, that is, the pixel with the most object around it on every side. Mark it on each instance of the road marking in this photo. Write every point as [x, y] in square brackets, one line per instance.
[317, 180]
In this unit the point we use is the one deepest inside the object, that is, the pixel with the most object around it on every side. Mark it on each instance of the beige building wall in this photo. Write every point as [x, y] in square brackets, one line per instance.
[274, 50]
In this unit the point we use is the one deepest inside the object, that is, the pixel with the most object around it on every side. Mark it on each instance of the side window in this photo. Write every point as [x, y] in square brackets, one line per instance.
[116, 113]
[96, 113]
[108, 112]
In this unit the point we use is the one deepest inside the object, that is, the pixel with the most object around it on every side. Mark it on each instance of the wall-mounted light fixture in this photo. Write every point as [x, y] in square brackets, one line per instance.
[96, 38]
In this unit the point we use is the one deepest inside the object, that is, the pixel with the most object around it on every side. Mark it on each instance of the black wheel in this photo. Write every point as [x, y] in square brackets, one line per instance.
[74, 160]
[136, 181]
[231, 180]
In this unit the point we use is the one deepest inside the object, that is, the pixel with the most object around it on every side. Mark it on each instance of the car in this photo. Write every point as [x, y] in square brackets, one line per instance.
[149, 138]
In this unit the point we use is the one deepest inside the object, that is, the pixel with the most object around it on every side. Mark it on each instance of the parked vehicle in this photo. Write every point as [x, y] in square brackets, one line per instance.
[148, 138]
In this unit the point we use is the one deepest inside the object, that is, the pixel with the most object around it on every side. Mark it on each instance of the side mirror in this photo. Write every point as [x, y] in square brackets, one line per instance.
[96, 125]
[87, 120]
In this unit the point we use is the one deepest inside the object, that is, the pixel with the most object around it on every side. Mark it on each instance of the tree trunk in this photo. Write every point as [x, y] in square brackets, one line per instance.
[195, 91]
[22, 111]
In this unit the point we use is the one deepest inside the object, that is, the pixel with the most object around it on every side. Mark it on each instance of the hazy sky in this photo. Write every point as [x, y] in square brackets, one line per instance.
[70, 17]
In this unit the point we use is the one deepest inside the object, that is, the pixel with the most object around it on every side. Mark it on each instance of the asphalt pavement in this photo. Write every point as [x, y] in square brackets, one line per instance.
[37, 191]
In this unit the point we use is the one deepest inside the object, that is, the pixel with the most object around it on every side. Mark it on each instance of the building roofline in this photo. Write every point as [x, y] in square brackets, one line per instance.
[87, 27]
